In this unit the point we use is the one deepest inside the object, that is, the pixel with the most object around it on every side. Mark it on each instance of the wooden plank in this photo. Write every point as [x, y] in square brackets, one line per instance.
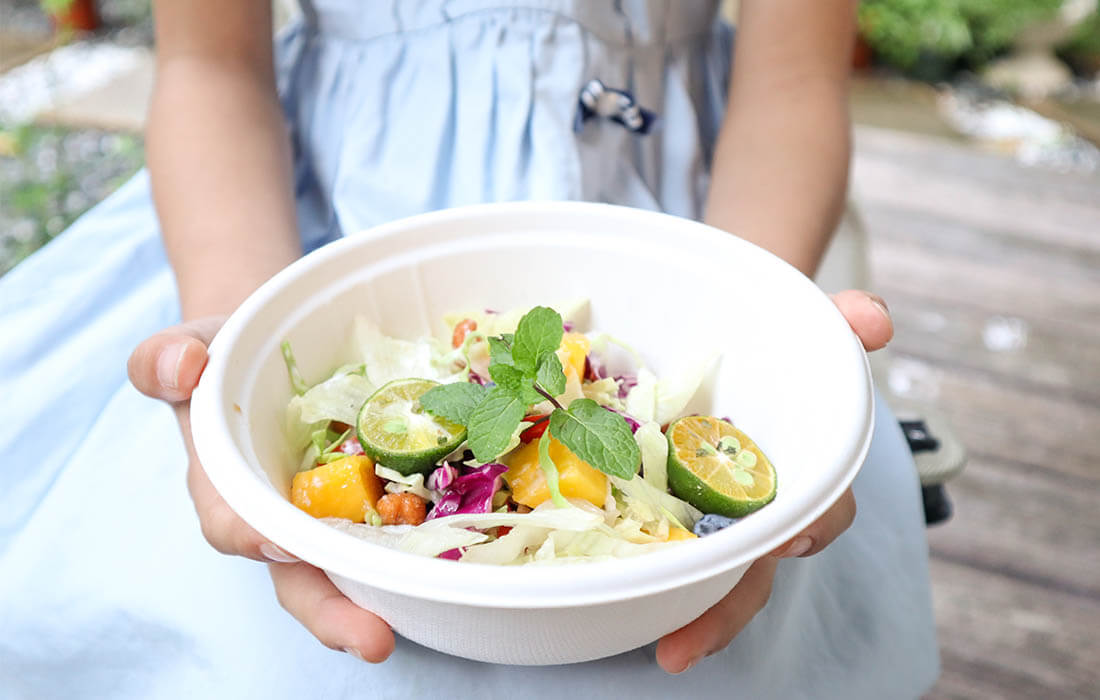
[914, 168]
[1030, 524]
[1003, 638]
[1017, 426]
[912, 268]
[1026, 353]
[1022, 251]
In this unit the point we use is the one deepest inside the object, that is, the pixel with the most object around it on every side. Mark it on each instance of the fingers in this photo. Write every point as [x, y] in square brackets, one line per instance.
[867, 315]
[167, 365]
[307, 594]
[224, 529]
[716, 628]
[823, 531]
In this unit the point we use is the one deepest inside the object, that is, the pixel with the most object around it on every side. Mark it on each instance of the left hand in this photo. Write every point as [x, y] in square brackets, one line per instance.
[715, 629]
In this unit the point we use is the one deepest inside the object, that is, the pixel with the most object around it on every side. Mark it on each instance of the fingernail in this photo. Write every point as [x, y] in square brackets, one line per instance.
[354, 652]
[274, 553]
[880, 304]
[798, 547]
[691, 663]
[168, 365]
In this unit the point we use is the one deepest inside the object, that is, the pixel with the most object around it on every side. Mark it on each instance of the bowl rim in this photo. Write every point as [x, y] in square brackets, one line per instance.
[271, 514]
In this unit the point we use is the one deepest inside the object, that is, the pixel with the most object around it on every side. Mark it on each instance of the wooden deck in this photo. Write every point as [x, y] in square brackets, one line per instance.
[992, 271]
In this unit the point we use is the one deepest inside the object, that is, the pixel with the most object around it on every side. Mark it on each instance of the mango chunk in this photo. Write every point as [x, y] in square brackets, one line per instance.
[573, 352]
[576, 477]
[679, 533]
[347, 488]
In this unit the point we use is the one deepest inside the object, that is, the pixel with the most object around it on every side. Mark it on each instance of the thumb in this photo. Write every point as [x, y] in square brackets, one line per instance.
[168, 365]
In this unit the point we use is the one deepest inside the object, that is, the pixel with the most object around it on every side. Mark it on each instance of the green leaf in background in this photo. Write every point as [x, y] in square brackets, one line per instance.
[455, 402]
[492, 423]
[931, 38]
[538, 333]
[516, 383]
[551, 376]
[598, 436]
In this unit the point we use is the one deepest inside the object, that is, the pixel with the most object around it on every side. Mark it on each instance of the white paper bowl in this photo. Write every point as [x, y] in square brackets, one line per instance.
[792, 375]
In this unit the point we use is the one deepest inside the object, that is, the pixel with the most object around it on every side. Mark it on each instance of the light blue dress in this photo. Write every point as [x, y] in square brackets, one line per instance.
[107, 589]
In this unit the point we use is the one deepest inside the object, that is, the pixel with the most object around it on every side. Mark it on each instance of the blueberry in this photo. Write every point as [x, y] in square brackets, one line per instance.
[712, 523]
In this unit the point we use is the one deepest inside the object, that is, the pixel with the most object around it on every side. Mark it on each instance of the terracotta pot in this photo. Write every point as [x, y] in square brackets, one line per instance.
[80, 15]
[862, 54]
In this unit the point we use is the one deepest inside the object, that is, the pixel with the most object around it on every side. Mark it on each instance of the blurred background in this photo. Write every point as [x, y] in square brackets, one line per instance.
[975, 211]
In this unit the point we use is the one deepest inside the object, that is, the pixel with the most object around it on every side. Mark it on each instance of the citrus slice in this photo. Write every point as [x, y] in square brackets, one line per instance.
[397, 433]
[717, 468]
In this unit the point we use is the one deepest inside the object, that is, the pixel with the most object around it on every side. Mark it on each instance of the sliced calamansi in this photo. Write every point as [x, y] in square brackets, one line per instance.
[717, 468]
[398, 433]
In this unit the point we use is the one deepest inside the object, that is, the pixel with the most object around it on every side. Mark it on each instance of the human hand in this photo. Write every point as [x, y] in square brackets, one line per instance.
[167, 366]
[716, 628]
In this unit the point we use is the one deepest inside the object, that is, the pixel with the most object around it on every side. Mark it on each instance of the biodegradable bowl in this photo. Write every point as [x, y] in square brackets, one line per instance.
[791, 374]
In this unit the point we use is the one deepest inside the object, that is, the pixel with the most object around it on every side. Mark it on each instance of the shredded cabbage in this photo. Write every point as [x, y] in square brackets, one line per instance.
[337, 398]
[563, 547]
[434, 543]
[400, 483]
[488, 322]
[611, 360]
[654, 447]
[641, 401]
[442, 477]
[471, 492]
[410, 538]
[664, 400]
[605, 392]
[387, 358]
[649, 504]
[551, 518]
[508, 549]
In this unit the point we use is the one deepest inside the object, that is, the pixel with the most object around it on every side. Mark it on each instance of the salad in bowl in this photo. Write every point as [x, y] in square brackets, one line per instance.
[522, 440]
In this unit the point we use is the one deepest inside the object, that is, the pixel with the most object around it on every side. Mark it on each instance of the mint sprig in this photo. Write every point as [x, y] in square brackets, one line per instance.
[492, 422]
[526, 370]
[456, 403]
[598, 436]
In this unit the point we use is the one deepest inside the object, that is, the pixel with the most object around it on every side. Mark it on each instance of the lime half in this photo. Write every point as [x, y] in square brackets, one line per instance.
[397, 433]
[717, 468]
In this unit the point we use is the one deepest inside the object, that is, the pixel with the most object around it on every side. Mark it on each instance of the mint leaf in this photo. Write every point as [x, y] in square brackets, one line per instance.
[492, 423]
[551, 376]
[598, 436]
[455, 402]
[550, 471]
[500, 352]
[538, 333]
[516, 383]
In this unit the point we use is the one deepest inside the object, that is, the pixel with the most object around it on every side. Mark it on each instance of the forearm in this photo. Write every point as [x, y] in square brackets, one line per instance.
[781, 163]
[219, 159]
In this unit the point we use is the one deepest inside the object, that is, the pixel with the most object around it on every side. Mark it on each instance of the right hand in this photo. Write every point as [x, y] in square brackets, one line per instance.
[167, 366]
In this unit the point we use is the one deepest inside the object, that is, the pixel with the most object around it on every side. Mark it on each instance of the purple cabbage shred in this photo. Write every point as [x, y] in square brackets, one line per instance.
[626, 383]
[442, 477]
[470, 493]
[634, 425]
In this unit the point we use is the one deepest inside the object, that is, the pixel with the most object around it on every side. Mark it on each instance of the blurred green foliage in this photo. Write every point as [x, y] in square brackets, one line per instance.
[927, 37]
[50, 175]
[1086, 38]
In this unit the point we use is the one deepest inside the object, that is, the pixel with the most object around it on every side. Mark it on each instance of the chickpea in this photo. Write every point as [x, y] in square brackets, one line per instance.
[401, 509]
